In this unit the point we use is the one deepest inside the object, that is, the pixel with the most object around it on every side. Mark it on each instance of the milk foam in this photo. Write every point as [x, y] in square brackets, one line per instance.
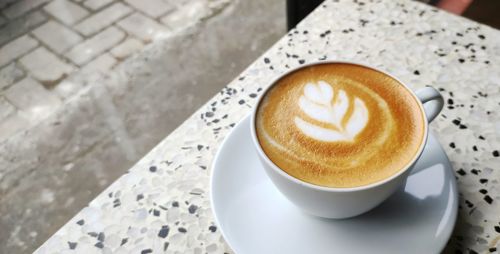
[323, 103]
[339, 125]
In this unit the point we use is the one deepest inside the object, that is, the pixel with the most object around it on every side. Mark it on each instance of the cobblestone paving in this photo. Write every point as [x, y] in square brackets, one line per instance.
[44, 42]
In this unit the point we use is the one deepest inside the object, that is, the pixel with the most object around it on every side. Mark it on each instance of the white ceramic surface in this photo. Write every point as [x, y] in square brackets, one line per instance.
[255, 217]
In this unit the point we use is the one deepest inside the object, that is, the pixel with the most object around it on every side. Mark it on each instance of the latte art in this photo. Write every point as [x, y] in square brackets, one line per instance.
[318, 103]
[339, 125]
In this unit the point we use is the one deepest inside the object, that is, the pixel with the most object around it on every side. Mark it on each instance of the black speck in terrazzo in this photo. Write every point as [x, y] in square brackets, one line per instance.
[483, 191]
[99, 245]
[164, 231]
[146, 251]
[450, 101]
[456, 122]
[460, 35]
[209, 114]
[266, 60]
[416, 72]
[469, 45]
[453, 43]
[192, 209]
[199, 147]
[495, 153]
[156, 212]
[461, 172]
[497, 228]
[483, 180]
[175, 204]
[117, 204]
[93, 234]
[203, 167]
[252, 95]
[482, 37]
[80, 222]
[212, 228]
[241, 102]
[461, 60]
[474, 148]
[469, 204]
[452, 145]
[182, 230]
[493, 249]
[152, 169]
[124, 241]
[481, 137]
[101, 237]
[302, 61]
[488, 199]
[165, 246]
[472, 210]
[72, 245]
[474, 171]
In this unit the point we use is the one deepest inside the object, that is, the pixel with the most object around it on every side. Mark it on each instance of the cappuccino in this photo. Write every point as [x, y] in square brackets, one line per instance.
[339, 125]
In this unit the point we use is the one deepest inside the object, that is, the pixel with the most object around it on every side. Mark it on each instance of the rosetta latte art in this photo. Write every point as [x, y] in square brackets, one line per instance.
[322, 103]
[339, 125]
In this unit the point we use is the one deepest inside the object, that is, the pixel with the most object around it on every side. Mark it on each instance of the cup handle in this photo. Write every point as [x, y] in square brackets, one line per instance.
[432, 100]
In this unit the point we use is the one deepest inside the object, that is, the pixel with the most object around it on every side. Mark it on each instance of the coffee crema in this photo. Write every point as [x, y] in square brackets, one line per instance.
[339, 125]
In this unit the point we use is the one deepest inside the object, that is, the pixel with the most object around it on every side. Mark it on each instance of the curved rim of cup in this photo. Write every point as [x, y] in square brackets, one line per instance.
[337, 189]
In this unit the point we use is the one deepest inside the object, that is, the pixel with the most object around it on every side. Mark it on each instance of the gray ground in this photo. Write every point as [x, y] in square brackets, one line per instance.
[60, 164]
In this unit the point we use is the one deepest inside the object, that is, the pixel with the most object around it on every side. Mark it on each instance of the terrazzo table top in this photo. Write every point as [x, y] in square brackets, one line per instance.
[162, 204]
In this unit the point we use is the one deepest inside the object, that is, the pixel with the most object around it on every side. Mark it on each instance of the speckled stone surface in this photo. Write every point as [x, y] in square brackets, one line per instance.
[162, 204]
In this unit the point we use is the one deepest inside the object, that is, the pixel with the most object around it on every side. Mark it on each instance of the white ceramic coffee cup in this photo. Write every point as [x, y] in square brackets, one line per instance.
[340, 203]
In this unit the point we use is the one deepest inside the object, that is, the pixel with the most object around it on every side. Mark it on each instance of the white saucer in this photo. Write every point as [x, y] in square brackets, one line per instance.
[255, 217]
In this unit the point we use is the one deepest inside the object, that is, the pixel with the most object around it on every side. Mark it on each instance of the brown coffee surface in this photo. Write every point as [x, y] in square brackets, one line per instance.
[339, 125]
